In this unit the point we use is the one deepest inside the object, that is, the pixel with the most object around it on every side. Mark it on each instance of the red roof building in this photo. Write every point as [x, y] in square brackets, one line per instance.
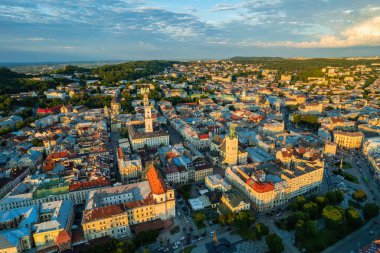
[156, 183]
[260, 187]
[203, 136]
[101, 181]
[53, 110]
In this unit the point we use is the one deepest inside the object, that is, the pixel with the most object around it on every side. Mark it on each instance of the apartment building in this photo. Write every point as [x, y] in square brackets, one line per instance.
[350, 140]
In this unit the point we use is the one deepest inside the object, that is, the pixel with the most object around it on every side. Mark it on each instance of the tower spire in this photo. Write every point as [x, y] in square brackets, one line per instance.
[148, 115]
[232, 131]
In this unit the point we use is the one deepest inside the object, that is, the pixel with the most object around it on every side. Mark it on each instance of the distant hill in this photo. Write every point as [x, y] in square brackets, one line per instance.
[243, 59]
[70, 70]
[6, 73]
[131, 70]
[10, 81]
[303, 68]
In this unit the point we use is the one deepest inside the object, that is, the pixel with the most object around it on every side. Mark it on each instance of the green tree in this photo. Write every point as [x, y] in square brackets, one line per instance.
[222, 219]
[333, 216]
[274, 243]
[305, 229]
[353, 217]
[312, 209]
[261, 230]
[37, 142]
[199, 217]
[321, 202]
[370, 210]
[244, 219]
[359, 195]
[335, 197]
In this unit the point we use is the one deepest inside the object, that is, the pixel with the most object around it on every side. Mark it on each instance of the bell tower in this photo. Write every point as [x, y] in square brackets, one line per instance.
[148, 115]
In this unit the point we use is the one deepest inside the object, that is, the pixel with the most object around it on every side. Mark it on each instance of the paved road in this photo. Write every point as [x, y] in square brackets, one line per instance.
[287, 237]
[115, 136]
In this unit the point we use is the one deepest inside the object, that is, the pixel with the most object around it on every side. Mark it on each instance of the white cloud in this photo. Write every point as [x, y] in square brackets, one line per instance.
[224, 7]
[348, 11]
[366, 33]
[39, 39]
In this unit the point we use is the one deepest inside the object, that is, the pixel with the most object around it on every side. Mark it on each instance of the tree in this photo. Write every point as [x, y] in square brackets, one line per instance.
[222, 219]
[20, 125]
[37, 142]
[312, 209]
[370, 210]
[321, 202]
[244, 219]
[199, 217]
[261, 230]
[353, 217]
[335, 197]
[359, 195]
[305, 229]
[274, 243]
[333, 216]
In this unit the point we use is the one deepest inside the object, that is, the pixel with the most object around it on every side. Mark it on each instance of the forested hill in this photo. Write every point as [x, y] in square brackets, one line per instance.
[131, 70]
[243, 59]
[280, 63]
[10, 81]
[7, 73]
[70, 70]
[303, 68]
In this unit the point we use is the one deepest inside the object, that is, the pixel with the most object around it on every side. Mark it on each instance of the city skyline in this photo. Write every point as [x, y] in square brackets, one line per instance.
[130, 30]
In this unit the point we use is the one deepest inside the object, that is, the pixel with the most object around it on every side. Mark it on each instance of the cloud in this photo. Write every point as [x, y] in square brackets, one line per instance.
[224, 7]
[39, 39]
[348, 11]
[366, 33]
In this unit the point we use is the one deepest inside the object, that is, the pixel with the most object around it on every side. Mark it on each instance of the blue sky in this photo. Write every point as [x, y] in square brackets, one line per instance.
[59, 30]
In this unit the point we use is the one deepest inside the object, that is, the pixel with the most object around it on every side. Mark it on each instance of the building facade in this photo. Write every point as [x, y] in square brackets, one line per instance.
[348, 140]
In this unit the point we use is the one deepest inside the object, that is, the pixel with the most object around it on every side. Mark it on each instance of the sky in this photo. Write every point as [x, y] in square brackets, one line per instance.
[81, 30]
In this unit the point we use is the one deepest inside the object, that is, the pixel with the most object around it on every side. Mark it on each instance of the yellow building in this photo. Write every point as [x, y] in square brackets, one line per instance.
[103, 221]
[286, 78]
[234, 202]
[202, 172]
[348, 139]
[130, 166]
[311, 108]
[55, 216]
[269, 185]
[112, 211]
[330, 148]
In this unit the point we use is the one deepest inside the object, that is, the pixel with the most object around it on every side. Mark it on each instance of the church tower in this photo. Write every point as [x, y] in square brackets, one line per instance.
[148, 115]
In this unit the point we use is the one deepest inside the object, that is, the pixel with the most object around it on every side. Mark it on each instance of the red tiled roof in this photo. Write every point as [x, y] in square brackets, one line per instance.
[155, 180]
[260, 187]
[101, 212]
[203, 136]
[144, 202]
[52, 110]
[120, 152]
[49, 165]
[102, 181]
[63, 237]
[58, 155]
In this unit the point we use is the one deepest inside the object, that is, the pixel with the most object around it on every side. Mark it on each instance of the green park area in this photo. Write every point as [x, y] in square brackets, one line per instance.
[320, 221]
